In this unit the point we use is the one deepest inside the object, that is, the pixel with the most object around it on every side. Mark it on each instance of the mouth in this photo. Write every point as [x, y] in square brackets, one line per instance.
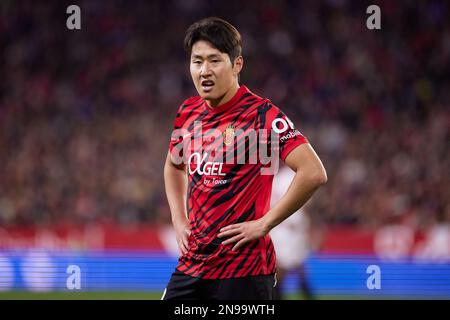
[207, 85]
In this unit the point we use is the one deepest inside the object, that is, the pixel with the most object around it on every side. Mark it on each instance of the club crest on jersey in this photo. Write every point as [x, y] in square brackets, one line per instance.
[228, 135]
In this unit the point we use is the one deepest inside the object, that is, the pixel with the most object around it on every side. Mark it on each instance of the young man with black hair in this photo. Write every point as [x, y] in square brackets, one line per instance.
[219, 171]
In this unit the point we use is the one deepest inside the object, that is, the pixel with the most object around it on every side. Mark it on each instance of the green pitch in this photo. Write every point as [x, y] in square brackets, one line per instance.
[18, 295]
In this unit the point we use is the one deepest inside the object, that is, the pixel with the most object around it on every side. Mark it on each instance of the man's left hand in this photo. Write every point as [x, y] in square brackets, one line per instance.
[243, 232]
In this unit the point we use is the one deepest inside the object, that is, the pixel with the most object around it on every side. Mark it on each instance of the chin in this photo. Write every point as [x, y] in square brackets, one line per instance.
[207, 96]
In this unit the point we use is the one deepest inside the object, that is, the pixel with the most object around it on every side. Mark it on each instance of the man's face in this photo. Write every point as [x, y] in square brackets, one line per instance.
[213, 73]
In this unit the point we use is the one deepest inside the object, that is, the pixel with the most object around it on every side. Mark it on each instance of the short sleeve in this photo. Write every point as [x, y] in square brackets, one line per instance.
[176, 134]
[289, 137]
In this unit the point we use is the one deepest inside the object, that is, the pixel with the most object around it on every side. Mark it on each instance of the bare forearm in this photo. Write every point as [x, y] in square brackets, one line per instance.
[176, 187]
[310, 175]
[300, 191]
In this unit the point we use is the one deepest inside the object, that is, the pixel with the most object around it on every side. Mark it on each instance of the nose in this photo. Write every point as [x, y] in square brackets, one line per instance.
[205, 69]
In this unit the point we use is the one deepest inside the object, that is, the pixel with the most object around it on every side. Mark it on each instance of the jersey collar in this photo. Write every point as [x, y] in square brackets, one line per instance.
[227, 105]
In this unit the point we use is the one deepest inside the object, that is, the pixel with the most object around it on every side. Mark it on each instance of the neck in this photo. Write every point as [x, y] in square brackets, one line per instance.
[225, 98]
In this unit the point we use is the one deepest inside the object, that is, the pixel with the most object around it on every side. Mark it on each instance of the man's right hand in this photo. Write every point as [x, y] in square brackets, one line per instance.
[183, 231]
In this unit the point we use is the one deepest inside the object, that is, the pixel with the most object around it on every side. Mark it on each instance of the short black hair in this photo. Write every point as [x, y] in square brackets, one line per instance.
[220, 33]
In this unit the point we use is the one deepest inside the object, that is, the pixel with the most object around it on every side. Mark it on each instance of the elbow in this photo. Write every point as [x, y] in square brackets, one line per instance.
[319, 178]
[323, 178]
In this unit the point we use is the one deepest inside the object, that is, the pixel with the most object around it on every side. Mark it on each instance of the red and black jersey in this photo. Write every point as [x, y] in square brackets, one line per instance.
[229, 153]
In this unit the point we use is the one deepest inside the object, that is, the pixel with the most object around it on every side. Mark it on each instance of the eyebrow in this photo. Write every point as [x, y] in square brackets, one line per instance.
[214, 55]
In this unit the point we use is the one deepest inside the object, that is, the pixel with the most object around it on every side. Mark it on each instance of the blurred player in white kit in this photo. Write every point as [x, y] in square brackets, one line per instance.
[291, 237]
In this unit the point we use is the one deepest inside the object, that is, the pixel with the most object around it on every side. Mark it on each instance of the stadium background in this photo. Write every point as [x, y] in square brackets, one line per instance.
[86, 116]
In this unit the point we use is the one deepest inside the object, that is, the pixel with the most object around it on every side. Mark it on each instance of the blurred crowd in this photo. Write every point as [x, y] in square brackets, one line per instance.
[86, 115]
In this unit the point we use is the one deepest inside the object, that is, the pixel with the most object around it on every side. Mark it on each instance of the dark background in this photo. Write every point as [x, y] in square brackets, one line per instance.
[86, 115]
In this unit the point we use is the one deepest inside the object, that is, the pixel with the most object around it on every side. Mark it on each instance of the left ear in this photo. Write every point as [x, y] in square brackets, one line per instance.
[238, 64]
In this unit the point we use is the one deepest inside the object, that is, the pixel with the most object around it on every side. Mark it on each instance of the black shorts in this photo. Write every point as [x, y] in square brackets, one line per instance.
[185, 287]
